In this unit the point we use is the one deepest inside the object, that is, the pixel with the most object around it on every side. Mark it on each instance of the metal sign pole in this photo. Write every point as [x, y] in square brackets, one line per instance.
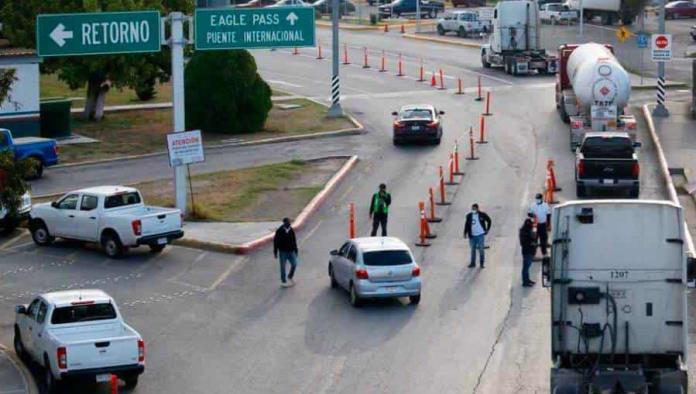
[660, 109]
[581, 22]
[177, 44]
[642, 50]
[335, 110]
[418, 16]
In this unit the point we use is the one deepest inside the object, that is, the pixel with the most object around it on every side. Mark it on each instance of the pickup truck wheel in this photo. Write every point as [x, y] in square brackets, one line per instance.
[112, 245]
[52, 385]
[462, 32]
[37, 165]
[334, 283]
[19, 346]
[157, 248]
[131, 381]
[39, 233]
[415, 300]
[440, 30]
[580, 191]
[634, 192]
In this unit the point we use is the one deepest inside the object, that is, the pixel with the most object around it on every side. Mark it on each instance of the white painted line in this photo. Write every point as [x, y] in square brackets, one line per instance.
[235, 263]
[276, 82]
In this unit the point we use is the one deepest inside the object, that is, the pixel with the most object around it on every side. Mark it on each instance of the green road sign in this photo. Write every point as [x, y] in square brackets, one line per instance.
[271, 27]
[98, 33]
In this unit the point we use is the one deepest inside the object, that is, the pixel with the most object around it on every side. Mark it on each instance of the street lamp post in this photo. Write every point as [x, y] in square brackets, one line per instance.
[660, 109]
[335, 110]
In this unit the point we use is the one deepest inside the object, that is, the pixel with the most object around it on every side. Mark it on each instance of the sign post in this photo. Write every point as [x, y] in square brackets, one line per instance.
[662, 47]
[253, 28]
[98, 33]
[335, 110]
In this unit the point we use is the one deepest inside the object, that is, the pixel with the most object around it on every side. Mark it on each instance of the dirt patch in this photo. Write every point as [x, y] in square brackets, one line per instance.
[264, 193]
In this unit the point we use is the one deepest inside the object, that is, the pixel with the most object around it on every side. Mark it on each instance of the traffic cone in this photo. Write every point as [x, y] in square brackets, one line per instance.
[442, 80]
[482, 131]
[450, 165]
[424, 233]
[386, 28]
[433, 81]
[432, 218]
[319, 55]
[365, 64]
[552, 173]
[351, 220]
[441, 181]
[456, 159]
[382, 67]
[295, 51]
[400, 72]
[472, 156]
[479, 97]
[421, 72]
[402, 29]
[459, 86]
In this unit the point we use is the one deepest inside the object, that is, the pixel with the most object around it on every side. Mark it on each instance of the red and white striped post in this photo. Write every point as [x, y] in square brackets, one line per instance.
[383, 64]
[459, 86]
[365, 63]
[441, 181]
[421, 72]
[479, 97]
[482, 130]
[488, 104]
[400, 72]
[345, 54]
[450, 165]
[295, 51]
[442, 80]
[351, 220]
[456, 159]
[432, 218]
[472, 156]
[424, 231]
[319, 55]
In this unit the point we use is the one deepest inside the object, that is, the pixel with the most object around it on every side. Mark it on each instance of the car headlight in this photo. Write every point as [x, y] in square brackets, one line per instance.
[26, 202]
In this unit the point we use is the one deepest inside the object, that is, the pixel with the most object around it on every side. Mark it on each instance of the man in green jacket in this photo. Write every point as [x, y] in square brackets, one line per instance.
[379, 209]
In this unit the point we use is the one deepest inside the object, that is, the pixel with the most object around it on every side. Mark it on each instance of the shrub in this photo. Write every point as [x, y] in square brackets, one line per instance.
[225, 94]
[374, 19]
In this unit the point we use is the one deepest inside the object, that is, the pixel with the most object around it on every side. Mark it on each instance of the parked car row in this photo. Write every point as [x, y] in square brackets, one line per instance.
[427, 8]
[322, 6]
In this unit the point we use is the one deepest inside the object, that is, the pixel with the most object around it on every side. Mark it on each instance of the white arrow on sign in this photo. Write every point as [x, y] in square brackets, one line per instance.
[59, 34]
[292, 18]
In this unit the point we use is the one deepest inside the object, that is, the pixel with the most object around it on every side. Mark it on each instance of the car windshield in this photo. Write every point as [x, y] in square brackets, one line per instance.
[607, 147]
[387, 257]
[83, 313]
[416, 113]
[122, 200]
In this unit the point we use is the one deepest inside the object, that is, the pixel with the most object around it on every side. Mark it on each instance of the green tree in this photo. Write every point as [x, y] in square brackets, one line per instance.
[101, 72]
[225, 94]
[7, 78]
[12, 186]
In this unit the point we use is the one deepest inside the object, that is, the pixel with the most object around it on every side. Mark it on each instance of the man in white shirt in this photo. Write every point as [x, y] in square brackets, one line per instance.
[477, 226]
[542, 213]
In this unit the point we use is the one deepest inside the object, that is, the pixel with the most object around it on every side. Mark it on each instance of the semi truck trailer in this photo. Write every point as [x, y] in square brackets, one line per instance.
[618, 273]
[609, 11]
[592, 91]
[514, 44]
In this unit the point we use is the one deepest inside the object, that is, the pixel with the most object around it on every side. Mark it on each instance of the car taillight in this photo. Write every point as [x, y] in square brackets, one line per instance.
[635, 170]
[415, 272]
[576, 124]
[137, 227]
[433, 124]
[62, 357]
[398, 125]
[55, 149]
[581, 168]
[361, 274]
[141, 351]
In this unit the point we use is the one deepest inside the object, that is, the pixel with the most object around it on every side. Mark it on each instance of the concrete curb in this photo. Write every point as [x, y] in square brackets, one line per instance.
[380, 26]
[29, 382]
[664, 169]
[411, 36]
[358, 129]
[298, 223]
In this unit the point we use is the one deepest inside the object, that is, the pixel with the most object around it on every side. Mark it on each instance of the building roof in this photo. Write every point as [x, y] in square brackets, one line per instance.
[7, 50]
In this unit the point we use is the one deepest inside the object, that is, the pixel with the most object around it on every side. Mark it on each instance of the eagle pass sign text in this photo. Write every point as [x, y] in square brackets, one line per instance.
[98, 33]
[273, 27]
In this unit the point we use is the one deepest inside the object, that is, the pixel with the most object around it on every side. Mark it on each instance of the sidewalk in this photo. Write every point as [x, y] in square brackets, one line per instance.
[12, 379]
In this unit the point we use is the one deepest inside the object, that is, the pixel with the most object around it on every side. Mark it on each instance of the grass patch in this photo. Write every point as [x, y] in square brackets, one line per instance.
[51, 86]
[139, 132]
[251, 194]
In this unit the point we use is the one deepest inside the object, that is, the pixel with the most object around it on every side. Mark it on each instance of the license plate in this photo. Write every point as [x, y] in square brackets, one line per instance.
[162, 241]
[415, 128]
[102, 378]
[607, 181]
[392, 289]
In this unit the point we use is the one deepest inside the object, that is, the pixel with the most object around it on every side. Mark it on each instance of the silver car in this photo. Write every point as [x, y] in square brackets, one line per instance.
[375, 267]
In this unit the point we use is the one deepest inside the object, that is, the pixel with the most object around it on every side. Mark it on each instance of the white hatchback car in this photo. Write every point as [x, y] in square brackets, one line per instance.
[375, 267]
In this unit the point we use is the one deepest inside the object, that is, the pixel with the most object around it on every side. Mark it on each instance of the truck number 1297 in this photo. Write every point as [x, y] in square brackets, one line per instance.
[619, 274]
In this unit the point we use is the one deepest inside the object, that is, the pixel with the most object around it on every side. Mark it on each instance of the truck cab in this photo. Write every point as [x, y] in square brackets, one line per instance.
[618, 273]
[42, 152]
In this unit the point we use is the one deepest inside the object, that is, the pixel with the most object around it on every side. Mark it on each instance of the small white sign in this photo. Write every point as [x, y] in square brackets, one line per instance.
[661, 45]
[185, 148]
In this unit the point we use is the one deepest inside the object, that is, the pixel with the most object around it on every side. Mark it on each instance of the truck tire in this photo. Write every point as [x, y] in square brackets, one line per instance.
[38, 168]
[462, 32]
[131, 381]
[580, 191]
[39, 233]
[53, 386]
[19, 346]
[440, 30]
[112, 245]
[414, 300]
[634, 192]
[485, 62]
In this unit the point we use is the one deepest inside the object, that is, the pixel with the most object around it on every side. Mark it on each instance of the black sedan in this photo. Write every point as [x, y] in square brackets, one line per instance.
[417, 123]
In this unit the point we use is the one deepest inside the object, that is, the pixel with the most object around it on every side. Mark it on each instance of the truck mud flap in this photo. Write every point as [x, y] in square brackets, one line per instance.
[566, 381]
[671, 382]
[619, 382]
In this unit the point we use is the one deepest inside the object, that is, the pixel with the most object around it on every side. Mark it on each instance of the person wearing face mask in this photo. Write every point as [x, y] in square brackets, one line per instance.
[285, 249]
[379, 210]
[477, 225]
[542, 212]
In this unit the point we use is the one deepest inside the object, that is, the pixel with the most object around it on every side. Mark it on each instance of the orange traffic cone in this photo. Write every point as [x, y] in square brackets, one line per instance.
[433, 81]
[402, 29]
[386, 28]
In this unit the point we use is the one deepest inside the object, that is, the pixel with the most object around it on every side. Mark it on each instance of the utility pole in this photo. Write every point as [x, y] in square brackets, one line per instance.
[335, 111]
[660, 109]
[418, 16]
[177, 44]
[581, 21]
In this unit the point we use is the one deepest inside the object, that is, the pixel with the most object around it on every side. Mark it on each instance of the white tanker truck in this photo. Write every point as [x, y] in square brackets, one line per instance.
[592, 91]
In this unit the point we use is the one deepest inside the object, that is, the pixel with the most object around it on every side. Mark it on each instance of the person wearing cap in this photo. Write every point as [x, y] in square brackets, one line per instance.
[285, 249]
[379, 210]
[477, 225]
[542, 213]
[528, 250]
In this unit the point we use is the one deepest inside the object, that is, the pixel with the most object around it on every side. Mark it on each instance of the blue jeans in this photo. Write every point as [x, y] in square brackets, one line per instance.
[477, 242]
[284, 258]
[526, 263]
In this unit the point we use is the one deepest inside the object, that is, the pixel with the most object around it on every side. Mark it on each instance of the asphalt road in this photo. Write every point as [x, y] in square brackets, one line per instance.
[218, 323]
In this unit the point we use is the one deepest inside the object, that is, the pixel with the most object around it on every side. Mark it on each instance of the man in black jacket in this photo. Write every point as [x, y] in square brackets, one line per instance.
[528, 250]
[379, 209]
[477, 226]
[285, 248]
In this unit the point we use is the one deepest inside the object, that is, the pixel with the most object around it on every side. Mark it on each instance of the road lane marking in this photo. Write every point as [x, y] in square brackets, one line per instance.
[277, 82]
[311, 232]
[12, 241]
[235, 264]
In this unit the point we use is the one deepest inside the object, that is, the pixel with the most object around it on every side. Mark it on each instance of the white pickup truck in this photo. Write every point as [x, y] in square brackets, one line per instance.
[464, 23]
[8, 224]
[78, 335]
[113, 216]
[554, 13]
